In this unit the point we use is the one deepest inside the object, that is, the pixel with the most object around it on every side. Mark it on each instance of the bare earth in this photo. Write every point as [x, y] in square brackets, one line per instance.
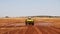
[38, 28]
[42, 26]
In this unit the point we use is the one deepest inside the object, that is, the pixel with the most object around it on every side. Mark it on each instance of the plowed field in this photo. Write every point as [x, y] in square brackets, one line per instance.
[39, 28]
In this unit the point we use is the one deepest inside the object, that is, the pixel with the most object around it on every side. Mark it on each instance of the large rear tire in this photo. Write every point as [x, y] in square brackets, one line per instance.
[26, 23]
[33, 23]
[29, 23]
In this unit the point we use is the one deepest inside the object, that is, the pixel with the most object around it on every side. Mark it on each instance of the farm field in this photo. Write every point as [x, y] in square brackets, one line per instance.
[37, 29]
[42, 26]
[22, 20]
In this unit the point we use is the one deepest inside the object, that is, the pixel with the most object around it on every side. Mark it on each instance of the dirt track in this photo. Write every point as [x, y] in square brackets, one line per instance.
[37, 29]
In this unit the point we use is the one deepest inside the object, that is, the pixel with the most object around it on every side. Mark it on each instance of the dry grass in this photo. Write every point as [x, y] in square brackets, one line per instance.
[54, 21]
[12, 20]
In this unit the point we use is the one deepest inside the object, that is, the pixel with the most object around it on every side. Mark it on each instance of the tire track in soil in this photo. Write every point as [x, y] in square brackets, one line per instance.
[17, 31]
[11, 32]
[55, 29]
[45, 30]
[50, 30]
[22, 31]
[31, 30]
[3, 31]
[39, 31]
[35, 30]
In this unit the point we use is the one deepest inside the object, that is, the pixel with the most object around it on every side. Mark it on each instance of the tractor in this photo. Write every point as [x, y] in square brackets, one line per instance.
[29, 21]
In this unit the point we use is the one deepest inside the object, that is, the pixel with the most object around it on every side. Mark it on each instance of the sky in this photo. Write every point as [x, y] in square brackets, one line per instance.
[29, 7]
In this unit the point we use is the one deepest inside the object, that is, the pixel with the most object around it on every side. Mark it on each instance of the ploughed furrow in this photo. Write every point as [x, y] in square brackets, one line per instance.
[16, 31]
[43, 30]
[22, 31]
[51, 30]
[39, 31]
[55, 29]
[19, 30]
[2, 31]
[11, 32]
[46, 30]
[31, 30]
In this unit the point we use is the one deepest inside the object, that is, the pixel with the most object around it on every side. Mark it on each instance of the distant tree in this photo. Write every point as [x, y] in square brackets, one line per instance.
[6, 16]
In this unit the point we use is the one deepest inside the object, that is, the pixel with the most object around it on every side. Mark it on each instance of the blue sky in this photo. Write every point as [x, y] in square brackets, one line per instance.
[29, 7]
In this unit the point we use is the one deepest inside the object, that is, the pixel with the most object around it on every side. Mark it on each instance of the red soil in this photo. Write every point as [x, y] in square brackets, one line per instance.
[36, 29]
[30, 30]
